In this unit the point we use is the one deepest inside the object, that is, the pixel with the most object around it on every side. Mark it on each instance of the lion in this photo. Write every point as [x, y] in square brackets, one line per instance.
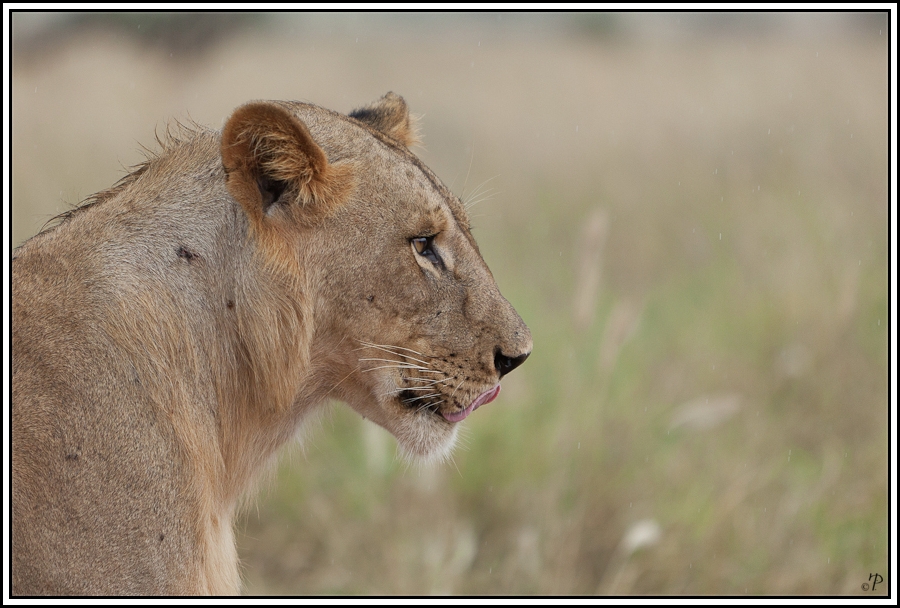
[173, 331]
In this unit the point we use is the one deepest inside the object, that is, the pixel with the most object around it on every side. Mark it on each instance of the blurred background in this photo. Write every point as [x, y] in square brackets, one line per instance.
[688, 210]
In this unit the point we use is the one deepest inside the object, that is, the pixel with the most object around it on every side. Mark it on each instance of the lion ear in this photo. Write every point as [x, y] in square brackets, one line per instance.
[391, 116]
[270, 158]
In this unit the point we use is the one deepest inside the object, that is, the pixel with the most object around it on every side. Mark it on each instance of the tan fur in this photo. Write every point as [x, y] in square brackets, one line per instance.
[172, 333]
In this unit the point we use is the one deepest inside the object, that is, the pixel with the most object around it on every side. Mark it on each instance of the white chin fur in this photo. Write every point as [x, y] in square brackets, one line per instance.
[422, 437]
[426, 443]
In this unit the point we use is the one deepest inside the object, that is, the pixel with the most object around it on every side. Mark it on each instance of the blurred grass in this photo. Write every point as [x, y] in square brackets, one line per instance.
[694, 228]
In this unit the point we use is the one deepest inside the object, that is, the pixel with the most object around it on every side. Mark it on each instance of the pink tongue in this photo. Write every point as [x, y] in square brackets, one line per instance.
[485, 397]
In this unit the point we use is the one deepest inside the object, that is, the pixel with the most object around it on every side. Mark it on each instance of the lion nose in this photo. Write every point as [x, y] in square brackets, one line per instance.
[506, 364]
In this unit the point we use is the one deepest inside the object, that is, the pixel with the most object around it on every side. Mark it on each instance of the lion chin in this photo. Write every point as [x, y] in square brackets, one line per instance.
[425, 442]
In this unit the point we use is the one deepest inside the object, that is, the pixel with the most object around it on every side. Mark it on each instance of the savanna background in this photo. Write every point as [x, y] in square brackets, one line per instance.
[689, 211]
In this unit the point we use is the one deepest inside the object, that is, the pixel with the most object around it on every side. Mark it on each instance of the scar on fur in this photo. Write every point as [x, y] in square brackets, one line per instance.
[187, 254]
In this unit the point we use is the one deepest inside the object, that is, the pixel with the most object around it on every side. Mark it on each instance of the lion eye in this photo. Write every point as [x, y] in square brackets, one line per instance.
[424, 246]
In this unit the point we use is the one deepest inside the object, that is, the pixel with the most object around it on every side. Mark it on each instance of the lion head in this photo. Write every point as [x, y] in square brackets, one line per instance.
[410, 326]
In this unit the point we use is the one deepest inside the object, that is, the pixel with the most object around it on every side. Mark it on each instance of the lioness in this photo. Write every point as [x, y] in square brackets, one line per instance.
[171, 333]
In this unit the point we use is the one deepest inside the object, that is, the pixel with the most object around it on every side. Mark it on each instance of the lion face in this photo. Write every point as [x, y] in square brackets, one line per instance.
[409, 319]
[429, 334]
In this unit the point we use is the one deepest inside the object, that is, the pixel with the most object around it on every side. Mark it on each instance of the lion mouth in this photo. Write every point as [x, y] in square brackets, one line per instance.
[410, 399]
[485, 397]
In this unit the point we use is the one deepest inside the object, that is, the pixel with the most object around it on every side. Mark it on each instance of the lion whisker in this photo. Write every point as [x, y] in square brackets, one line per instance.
[400, 355]
[429, 405]
[455, 389]
[428, 383]
[401, 365]
[420, 397]
[344, 378]
[387, 348]
[392, 361]
[374, 345]
[396, 366]
[478, 195]
[372, 369]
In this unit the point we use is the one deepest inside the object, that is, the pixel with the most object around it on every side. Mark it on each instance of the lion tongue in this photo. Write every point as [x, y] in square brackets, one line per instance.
[485, 397]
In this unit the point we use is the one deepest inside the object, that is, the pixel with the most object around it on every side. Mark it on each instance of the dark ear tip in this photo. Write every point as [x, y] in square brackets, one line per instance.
[389, 115]
[396, 100]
